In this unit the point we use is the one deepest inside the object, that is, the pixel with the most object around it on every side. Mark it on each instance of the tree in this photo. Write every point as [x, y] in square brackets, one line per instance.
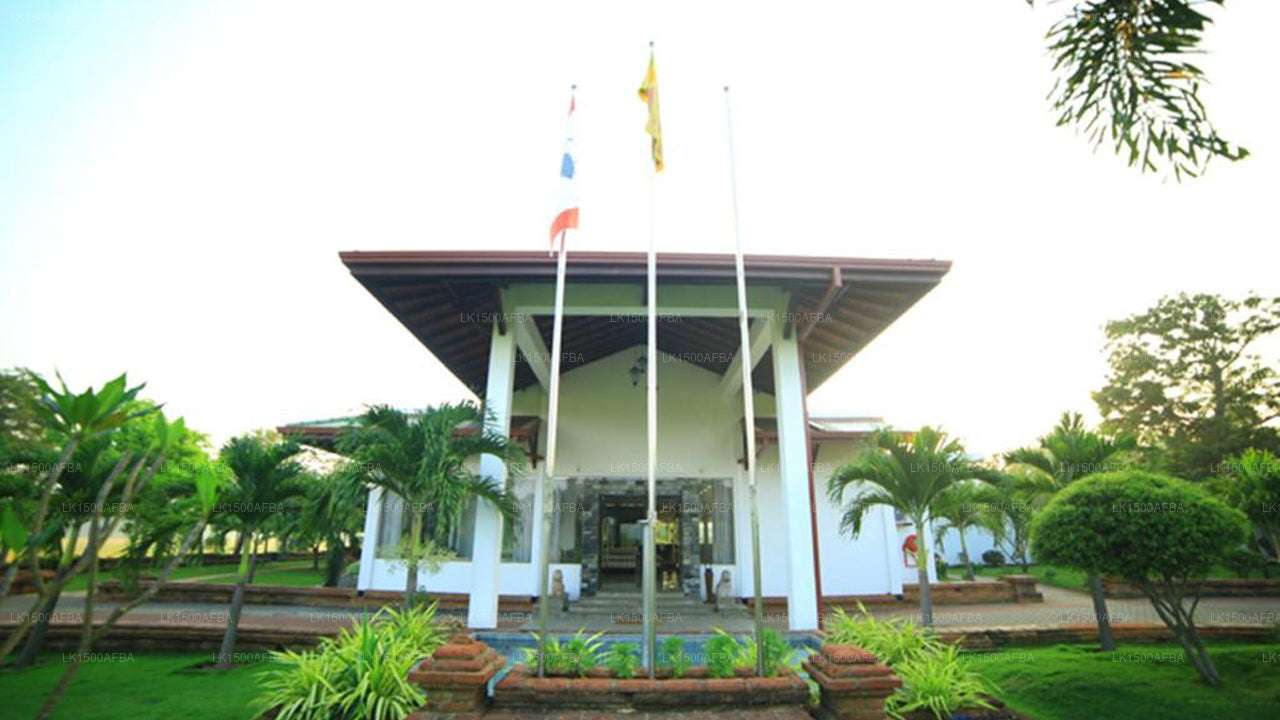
[910, 474]
[24, 448]
[1125, 81]
[74, 418]
[1159, 533]
[162, 512]
[423, 459]
[333, 511]
[1016, 493]
[266, 478]
[963, 508]
[206, 486]
[72, 508]
[1068, 453]
[1183, 377]
[1250, 483]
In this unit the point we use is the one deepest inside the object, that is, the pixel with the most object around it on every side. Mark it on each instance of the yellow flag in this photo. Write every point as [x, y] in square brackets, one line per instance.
[649, 94]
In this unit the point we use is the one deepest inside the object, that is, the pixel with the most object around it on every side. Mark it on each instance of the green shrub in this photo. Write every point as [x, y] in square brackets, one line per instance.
[893, 641]
[673, 657]
[577, 656]
[623, 658]
[362, 674]
[993, 558]
[936, 681]
[777, 652]
[555, 655]
[722, 650]
[932, 676]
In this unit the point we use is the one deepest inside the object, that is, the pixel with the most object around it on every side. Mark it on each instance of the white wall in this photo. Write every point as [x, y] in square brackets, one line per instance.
[602, 434]
[977, 540]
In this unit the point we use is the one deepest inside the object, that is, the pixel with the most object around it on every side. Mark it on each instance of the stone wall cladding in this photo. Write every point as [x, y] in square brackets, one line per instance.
[589, 543]
[690, 549]
[521, 689]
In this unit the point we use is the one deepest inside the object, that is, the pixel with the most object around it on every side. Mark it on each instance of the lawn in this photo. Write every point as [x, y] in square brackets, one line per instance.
[1064, 577]
[1044, 575]
[131, 686]
[285, 572]
[1068, 682]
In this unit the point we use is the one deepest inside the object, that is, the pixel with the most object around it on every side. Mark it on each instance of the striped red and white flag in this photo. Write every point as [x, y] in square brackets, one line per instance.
[567, 210]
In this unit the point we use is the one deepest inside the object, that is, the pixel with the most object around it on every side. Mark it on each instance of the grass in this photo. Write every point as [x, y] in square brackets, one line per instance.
[1066, 578]
[1044, 575]
[130, 686]
[282, 574]
[1067, 682]
[1061, 682]
[290, 572]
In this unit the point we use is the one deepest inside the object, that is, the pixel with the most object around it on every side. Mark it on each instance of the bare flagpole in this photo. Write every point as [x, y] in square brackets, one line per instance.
[650, 527]
[748, 394]
[549, 463]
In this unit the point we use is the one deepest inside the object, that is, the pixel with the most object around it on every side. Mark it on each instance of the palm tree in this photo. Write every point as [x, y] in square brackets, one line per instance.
[911, 474]
[962, 508]
[266, 481]
[1068, 453]
[423, 459]
[333, 513]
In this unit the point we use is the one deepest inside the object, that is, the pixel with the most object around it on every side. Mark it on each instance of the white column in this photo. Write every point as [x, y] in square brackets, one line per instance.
[793, 459]
[486, 552]
[368, 551]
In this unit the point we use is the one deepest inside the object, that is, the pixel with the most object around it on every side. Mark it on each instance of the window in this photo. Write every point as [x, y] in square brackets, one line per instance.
[566, 522]
[715, 522]
[394, 526]
[517, 538]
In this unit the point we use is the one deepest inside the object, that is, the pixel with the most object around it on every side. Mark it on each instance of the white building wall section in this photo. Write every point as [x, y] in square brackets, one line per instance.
[602, 434]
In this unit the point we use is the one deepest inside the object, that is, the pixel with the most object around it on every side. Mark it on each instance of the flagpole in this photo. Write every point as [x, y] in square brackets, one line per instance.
[650, 551]
[650, 527]
[748, 395]
[549, 462]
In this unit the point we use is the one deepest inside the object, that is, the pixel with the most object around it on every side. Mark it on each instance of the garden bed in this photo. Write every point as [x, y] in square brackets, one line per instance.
[522, 689]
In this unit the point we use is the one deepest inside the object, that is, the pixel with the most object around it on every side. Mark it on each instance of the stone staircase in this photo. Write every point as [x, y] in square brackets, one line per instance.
[627, 606]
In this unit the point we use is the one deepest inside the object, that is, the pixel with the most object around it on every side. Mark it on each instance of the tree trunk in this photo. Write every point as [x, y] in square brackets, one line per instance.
[227, 652]
[35, 641]
[333, 563]
[968, 561]
[411, 580]
[1181, 622]
[1105, 636]
[86, 625]
[10, 573]
[922, 572]
[253, 562]
[315, 556]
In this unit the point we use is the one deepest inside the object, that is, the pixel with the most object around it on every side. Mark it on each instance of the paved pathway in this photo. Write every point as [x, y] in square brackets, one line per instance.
[1061, 608]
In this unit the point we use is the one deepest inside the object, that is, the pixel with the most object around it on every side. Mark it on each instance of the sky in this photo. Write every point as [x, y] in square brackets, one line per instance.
[177, 179]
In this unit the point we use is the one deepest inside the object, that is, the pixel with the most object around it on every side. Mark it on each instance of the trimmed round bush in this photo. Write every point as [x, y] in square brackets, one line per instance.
[1138, 525]
[1159, 533]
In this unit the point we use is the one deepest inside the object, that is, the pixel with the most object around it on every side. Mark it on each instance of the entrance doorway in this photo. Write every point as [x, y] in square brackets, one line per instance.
[622, 542]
